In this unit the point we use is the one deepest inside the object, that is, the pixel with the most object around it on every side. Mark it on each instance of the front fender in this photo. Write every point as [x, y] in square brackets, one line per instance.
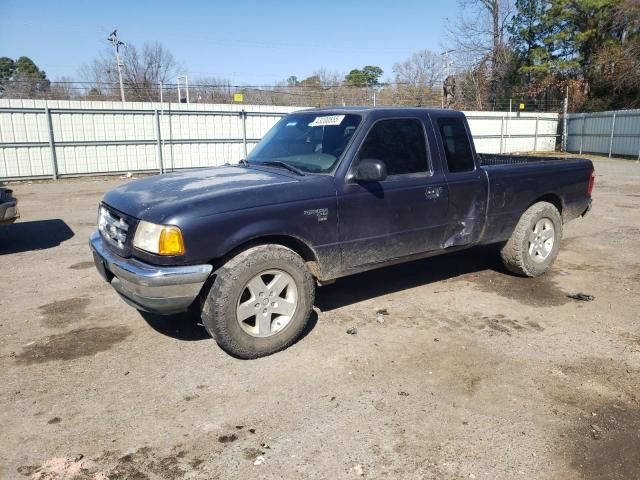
[312, 224]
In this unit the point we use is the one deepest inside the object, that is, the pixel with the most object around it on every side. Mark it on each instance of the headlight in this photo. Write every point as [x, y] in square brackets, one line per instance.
[159, 239]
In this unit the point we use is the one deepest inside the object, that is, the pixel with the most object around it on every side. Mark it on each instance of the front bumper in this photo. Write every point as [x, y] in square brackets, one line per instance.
[162, 290]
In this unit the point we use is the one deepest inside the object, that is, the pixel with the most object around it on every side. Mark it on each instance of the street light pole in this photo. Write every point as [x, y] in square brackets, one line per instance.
[186, 87]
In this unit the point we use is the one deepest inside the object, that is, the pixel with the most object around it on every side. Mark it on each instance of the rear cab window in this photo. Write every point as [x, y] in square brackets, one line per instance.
[400, 143]
[455, 142]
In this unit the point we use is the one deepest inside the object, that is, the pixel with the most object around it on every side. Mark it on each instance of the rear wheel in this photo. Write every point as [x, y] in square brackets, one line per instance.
[259, 302]
[534, 244]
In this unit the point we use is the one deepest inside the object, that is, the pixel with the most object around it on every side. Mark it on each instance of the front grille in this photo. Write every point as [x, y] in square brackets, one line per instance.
[113, 228]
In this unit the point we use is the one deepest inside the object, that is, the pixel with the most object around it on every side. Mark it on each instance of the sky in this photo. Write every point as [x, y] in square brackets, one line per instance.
[249, 42]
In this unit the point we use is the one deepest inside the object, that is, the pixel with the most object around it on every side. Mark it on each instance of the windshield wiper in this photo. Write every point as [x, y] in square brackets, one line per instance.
[278, 163]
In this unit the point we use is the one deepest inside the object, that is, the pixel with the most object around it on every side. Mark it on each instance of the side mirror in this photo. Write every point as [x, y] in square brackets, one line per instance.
[370, 170]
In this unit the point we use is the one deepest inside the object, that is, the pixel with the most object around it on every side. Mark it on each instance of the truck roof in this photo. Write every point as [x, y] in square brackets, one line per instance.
[364, 110]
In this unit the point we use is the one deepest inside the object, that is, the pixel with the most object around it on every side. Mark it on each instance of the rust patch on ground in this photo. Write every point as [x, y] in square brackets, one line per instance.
[77, 343]
[61, 313]
[81, 265]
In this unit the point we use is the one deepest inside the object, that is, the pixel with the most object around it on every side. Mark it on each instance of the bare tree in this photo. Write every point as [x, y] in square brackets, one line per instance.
[63, 89]
[423, 68]
[417, 77]
[211, 90]
[143, 71]
[478, 36]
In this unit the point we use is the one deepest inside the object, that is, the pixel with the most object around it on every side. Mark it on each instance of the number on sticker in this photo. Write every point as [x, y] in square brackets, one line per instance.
[327, 120]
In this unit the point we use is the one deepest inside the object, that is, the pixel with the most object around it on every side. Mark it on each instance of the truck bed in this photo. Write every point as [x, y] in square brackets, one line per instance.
[516, 182]
[493, 159]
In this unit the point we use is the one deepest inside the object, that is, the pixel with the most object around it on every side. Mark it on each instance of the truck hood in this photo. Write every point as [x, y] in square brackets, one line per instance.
[164, 198]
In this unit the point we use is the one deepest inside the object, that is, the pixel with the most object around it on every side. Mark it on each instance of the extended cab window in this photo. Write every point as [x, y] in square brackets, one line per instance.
[400, 143]
[456, 145]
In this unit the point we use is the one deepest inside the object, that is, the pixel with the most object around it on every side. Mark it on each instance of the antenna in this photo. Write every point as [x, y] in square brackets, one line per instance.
[117, 43]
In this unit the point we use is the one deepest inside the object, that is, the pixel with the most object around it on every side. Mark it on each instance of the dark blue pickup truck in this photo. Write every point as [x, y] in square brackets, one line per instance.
[326, 193]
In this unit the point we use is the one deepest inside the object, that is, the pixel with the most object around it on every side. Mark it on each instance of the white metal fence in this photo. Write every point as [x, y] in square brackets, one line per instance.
[41, 139]
[509, 132]
[609, 133]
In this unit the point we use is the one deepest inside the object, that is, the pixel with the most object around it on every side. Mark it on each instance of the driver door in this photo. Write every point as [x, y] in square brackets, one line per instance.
[404, 214]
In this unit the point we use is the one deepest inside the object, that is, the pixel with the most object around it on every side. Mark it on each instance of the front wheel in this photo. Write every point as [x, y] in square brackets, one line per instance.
[260, 301]
[534, 244]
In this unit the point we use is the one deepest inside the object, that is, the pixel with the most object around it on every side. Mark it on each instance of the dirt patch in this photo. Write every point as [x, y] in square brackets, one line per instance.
[538, 292]
[61, 313]
[146, 463]
[623, 234]
[77, 343]
[606, 442]
[502, 324]
[599, 401]
[632, 341]
[576, 244]
[536, 326]
[82, 265]
[58, 468]
[227, 438]
[593, 379]
[251, 453]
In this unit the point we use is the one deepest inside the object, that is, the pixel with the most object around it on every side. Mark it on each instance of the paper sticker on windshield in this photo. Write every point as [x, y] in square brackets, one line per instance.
[327, 120]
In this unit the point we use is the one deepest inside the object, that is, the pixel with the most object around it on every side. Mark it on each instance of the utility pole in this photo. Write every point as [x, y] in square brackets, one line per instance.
[565, 110]
[447, 70]
[117, 43]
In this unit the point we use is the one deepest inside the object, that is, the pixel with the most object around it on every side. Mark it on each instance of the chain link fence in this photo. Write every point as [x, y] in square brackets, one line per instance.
[306, 93]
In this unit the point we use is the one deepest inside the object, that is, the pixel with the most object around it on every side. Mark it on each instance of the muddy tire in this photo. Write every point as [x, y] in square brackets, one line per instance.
[260, 301]
[534, 244]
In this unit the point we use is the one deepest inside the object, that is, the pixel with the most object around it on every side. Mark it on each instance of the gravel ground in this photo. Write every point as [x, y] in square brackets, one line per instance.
[473, 373]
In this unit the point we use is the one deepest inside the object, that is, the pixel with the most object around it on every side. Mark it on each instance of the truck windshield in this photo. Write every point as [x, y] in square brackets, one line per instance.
[310, 142]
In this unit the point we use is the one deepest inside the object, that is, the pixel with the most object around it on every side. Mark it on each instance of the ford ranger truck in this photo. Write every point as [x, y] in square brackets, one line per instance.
[326, 193]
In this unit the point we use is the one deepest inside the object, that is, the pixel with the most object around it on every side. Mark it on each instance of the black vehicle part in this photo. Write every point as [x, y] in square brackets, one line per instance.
[220, 312]
[517, 252]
